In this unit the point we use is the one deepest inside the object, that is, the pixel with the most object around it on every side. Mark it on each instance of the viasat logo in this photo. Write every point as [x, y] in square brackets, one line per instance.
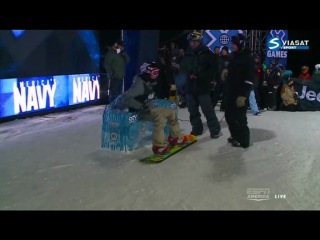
[274, 44]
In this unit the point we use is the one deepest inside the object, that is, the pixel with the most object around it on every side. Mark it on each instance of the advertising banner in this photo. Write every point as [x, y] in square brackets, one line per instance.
[25, 95]
[275, 42]
[219, 38]
[308, 94]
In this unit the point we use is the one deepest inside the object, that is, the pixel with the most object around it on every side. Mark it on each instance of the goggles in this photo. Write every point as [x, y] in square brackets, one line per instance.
[154, 72]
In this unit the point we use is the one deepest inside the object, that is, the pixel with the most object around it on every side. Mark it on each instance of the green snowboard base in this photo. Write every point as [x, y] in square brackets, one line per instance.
[155, 158]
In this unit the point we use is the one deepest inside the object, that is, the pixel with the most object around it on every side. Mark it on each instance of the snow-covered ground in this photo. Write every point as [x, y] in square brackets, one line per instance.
[55, 162]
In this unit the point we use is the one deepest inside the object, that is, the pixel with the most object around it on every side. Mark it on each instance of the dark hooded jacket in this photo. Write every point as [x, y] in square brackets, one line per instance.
[241, 74]
[204, 65]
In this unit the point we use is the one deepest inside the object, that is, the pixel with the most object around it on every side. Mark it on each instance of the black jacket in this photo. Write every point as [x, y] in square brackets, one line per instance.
[204, 65]
[223, 62]
[241, 74]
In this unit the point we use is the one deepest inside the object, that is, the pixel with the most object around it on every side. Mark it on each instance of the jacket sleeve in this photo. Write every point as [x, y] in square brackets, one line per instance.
[248, 77]
[107, 64]
[134, 91]
[126, 57]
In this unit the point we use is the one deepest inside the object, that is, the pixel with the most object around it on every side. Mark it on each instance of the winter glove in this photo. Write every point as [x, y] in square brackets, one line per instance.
[145, 109]
[241, 101]
[147, 106]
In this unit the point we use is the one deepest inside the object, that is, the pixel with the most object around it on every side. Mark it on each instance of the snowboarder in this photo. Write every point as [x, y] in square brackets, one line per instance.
[139, 98]
[240, 80]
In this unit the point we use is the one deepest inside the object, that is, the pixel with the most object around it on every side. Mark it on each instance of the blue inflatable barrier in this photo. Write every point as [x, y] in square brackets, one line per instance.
[123, 131]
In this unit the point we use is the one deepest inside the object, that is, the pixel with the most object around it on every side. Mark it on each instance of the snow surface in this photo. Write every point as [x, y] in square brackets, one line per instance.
[56, 162]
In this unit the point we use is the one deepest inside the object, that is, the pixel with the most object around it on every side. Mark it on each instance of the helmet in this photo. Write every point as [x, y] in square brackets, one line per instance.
[239, 40]
[150, 68]
[196, 35]
[317, 67]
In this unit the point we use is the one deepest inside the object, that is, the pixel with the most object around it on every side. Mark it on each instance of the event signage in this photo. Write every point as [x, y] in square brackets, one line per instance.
[25, 95]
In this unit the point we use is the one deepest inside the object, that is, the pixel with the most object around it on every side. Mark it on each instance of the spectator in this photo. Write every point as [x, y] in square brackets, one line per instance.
[316, 74]
[115, 62]
[264, 90]
[162, 89]
[254, 93]
[289, 97]
[181, 78]
[240, 80]
[273, 80]
[186, 65]
[305, 75]
[219, 85]
[216, 51]
[201, 71]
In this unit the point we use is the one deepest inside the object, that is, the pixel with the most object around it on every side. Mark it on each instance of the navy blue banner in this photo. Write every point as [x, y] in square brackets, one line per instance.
[25, 95]
[219, 38]
[274, 44]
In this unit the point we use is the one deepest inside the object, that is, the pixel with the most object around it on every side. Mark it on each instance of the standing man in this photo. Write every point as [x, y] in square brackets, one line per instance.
[216, 51]
[240, 80]
[273, 81]
[200, 72]
[115, 62]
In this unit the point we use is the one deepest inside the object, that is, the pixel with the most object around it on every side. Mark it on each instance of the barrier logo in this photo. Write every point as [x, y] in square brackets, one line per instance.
[114, 136]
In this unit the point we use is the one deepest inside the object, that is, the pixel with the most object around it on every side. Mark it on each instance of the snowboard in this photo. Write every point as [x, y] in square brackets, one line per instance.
[156, 158]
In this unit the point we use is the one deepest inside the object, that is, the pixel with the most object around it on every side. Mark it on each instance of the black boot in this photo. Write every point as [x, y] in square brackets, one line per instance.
[235, 143]
[196, 133]
[214, 136]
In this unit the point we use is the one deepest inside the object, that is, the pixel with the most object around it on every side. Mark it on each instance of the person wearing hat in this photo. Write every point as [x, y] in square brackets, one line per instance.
[304, 75]
[201, 68]
[273, 80]
[114, 63]
[240, 81]
[216, 51]
[139, 98]
[289, 97]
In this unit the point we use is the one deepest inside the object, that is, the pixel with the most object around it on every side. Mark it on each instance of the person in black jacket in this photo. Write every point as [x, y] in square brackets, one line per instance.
[201, 69]
[240, 80]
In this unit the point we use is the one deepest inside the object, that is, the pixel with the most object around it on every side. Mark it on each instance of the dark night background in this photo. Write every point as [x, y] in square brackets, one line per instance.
[311, 57]
[296, 58]
[58, 44]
